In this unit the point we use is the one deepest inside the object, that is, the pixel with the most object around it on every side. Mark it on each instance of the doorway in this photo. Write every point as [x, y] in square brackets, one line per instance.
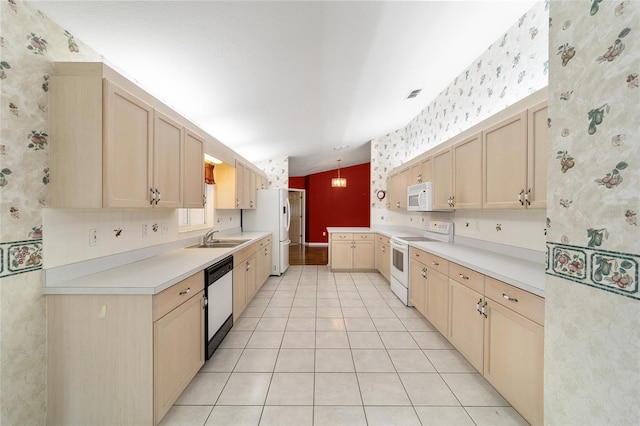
[296, 229]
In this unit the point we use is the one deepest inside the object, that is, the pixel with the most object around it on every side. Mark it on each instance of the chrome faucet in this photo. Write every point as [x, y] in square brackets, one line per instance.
[208, 236]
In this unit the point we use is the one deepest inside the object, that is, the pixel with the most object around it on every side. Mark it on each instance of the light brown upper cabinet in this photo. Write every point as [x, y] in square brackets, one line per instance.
[235, 186]
[538, 129]
[443, 180]
[167, 155]
[467, 173]
[514, 166]
[127, 152]
[397, 189]
[114, 145]
[192, 177]
[426, 167]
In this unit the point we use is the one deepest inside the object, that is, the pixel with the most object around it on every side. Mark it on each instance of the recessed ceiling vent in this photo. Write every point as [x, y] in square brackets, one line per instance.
[414, 93]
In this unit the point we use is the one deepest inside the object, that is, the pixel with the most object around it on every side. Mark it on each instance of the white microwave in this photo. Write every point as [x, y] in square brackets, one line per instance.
[420, 197]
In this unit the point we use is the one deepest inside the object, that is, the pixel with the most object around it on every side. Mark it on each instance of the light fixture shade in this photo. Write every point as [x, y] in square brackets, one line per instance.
[339, 182]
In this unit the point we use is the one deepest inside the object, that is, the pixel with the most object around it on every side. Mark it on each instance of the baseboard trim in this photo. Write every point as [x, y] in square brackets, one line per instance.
[318, 244]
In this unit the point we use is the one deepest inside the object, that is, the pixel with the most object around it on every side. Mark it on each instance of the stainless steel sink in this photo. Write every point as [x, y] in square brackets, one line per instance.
[219, 243]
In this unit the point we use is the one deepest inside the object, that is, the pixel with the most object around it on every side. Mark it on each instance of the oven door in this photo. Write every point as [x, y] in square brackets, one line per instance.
[400, 262]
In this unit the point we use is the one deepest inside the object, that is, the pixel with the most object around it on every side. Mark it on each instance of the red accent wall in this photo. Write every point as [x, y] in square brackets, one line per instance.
[328, 206]
[297, 182]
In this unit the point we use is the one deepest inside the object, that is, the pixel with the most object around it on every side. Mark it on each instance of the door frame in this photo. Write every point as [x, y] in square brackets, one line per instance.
[303, 217]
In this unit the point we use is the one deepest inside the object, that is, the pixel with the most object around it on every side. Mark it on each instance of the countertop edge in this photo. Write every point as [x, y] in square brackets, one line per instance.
[189, 262]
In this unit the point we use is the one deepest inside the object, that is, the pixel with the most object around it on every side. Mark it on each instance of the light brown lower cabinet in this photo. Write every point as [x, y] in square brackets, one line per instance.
[498, 328]
[352, 251]
[122, 359]
[250, 266]
[383, 256]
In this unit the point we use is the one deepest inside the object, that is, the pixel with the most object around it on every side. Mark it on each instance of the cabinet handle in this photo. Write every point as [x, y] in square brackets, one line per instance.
[383, 249]
[342, 236]
[251, 203]
[183, 292]
[420, 178]
[398, 204]
[478, 306]
[452, 201]
[463, 277]
[248, 266]
[158, 197]
[526, 197]
[237, 202]
[416, 254]
[363, 236]
[510, 299]
[520, 195]
[153, 196]
[435, 263]
[483, 309]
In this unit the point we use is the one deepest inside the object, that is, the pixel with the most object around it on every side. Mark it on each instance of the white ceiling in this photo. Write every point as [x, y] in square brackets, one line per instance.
[311, 80]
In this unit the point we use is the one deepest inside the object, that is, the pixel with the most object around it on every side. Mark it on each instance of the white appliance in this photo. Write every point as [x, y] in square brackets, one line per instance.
[436, 232]
[420, 197]
[272, 214]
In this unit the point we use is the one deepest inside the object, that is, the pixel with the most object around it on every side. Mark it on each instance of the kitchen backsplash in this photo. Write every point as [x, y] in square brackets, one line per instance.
[512, 68]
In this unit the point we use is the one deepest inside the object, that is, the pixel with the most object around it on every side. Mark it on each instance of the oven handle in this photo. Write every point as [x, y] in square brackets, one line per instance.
[398, 245]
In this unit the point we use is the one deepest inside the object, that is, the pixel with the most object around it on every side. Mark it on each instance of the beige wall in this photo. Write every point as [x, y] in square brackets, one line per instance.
[592, 330]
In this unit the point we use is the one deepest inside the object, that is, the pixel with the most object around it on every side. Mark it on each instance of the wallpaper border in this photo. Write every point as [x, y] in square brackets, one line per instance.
[611, 271]
[19, 257]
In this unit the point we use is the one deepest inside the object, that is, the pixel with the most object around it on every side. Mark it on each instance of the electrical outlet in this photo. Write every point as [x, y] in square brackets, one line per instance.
[145, 230]
[165, 229]
[93, 237]
[324, 233]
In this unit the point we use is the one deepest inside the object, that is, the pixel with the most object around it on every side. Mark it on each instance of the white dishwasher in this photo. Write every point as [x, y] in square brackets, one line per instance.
[218, 314]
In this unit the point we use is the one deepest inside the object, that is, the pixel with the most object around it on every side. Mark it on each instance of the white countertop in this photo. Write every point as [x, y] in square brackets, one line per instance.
[152, 275]
[524, 274]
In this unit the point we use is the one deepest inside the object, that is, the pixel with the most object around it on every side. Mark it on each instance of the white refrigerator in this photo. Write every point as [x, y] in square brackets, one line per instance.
[272, 214]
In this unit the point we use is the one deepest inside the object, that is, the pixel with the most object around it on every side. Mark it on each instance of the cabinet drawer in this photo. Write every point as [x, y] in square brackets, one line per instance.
[266, 241]
[436, 263]
[363, 237]
[418, 255]
[468, 277]
[342, 236]
[242, 255]
[520, 301]
[167, 300]
[383, 239]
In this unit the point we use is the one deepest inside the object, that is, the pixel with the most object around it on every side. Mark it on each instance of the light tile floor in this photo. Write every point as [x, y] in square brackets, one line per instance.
[320, 348]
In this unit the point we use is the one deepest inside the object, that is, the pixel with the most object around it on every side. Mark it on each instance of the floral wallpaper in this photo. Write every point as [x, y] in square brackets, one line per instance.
[513, 67]
[29, 44]
[594, 165]
[277, 171]
[592, 320]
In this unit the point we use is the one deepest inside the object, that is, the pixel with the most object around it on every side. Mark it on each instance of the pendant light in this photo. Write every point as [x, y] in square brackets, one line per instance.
[338, 182]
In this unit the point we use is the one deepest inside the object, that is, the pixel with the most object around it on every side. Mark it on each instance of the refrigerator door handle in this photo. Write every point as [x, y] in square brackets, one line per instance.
[286, 243]
[288, 211]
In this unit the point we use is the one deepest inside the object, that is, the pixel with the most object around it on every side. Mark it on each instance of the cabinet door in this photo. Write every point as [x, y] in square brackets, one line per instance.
[167, 153]
[537, 150]
[364, 255]
[427, 170]
[193, 171]
[268, 258]
[403, 182]
[226, 185]
[127, 149]
[466, 330]
[442, 180]
[417, 285]
[415, 175]
[392, 191]
[467, 178]
[178, 348]
[251, 277]
[513, 360]
[249, 188]
[504, 150]
[239, 289]
[341, 255]
[437, 300]
[383, 260]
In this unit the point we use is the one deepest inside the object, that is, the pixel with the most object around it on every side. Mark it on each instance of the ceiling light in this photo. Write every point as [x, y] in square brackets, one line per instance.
[209, 159]
[338, 182]
[414, 93]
